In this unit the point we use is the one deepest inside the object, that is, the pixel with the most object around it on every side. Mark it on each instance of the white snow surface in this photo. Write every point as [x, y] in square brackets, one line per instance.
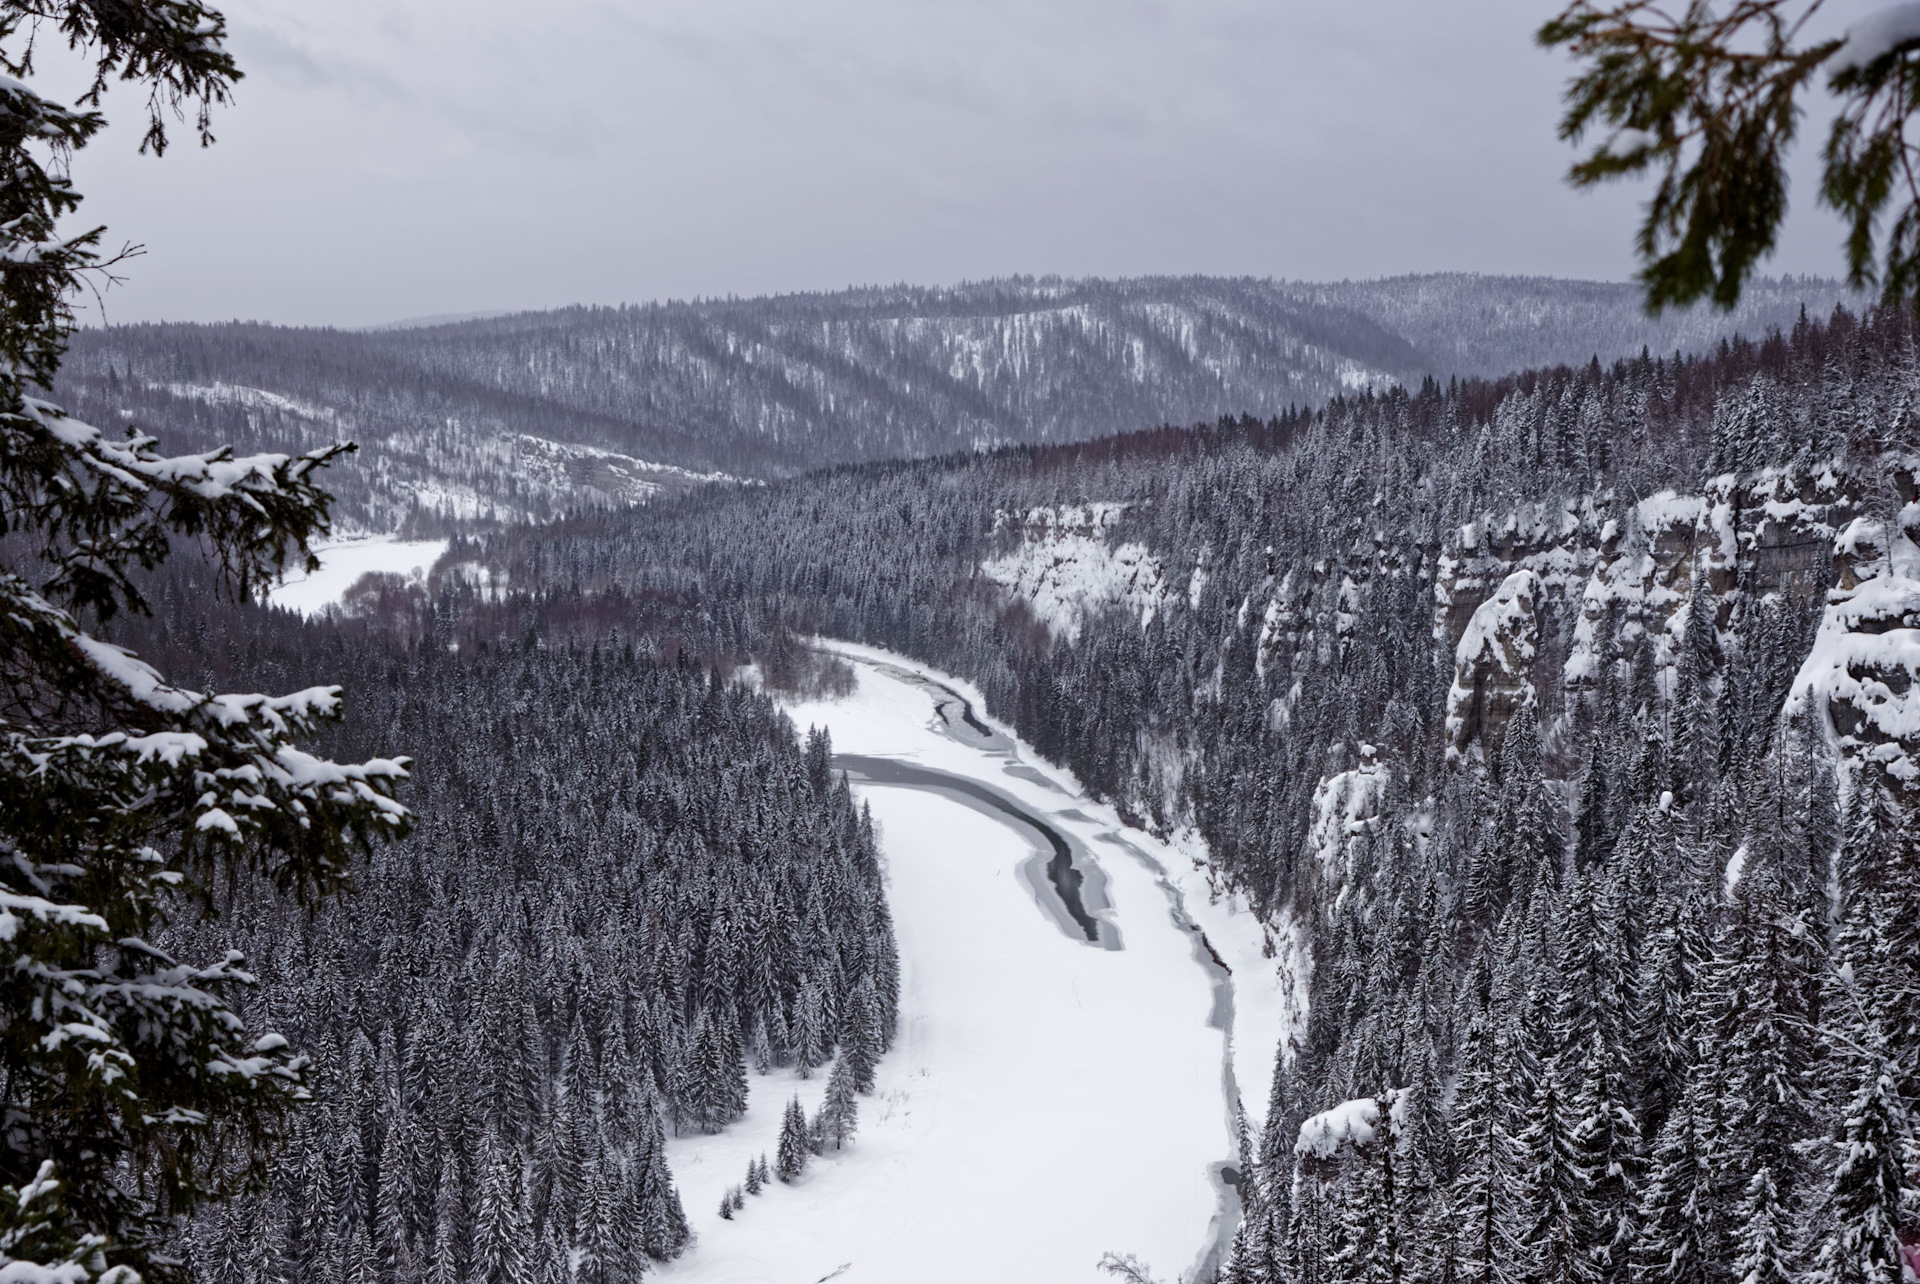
[1046, 1100]
[343, 562]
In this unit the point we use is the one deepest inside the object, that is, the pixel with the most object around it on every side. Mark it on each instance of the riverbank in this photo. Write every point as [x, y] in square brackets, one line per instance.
[1064, 1081]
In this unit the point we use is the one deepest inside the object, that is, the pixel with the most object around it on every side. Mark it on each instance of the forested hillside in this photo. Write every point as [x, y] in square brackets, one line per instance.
[1564, 724]
[527, 416]
[628, 885]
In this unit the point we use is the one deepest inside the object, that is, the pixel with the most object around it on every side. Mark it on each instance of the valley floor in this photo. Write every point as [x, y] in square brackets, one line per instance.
[1048, 1098]
[344, 561]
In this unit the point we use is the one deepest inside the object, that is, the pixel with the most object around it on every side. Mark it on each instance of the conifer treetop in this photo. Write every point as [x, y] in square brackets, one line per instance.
[1707, 98]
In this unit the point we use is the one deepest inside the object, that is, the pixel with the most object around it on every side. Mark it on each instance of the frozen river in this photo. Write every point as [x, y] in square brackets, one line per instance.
[1065, 1076]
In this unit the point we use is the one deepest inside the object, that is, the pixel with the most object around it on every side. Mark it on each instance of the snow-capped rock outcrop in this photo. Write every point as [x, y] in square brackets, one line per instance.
[1346, 805]
[1612, 577]
[1351, 1123]
[1066, 567]
[1492, 664]
[1862, 673]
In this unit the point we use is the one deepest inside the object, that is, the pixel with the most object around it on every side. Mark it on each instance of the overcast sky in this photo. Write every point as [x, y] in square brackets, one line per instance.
[400, 158]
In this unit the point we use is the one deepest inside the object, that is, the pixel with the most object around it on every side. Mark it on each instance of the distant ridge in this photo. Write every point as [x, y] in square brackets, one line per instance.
[524, 415]
[444, 318]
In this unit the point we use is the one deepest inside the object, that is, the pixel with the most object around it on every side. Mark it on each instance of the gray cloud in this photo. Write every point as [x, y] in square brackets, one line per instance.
[400, 157]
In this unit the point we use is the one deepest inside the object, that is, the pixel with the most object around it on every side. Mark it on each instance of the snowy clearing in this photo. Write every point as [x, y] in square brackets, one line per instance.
[343, 562]
[1048, 1099]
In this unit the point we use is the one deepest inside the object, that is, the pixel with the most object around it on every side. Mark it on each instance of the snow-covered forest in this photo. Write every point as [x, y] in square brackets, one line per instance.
[1565, 721]
[1544, 746]
[1173, 779]
[631, 886]
[530, 416]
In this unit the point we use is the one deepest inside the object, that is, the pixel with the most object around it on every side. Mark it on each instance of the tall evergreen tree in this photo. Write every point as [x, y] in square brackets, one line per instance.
[839, 1116]
[791, 1160]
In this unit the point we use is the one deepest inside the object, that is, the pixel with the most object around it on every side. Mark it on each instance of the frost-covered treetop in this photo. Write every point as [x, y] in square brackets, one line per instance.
[1351, 1123]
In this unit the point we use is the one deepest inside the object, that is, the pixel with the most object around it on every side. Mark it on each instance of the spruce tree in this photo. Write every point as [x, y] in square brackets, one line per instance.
[448, 1262]
[1561, 1215]
[794, 1150]
[716, 1073]
[1762, 1234]
[505, 1224]
[666, 1232]
[812, 1040]
[130, 1080]
[839, 1115]
[1480, 1183]
[862, 1034]
[1708, 102]
[1870, 1189]
[1681, 1231]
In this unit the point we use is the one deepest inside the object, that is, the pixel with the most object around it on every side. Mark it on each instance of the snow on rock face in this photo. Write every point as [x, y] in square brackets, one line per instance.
[1632, 567]
[1536, 537]
[1862, 672]
[1279, 625]
[564, 467]
[1067, 570]
[1647, 572]
[1788, 521]
[1346, 806]
[1491, 664]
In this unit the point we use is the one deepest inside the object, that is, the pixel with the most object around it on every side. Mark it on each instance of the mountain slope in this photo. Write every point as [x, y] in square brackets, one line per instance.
[529, 415]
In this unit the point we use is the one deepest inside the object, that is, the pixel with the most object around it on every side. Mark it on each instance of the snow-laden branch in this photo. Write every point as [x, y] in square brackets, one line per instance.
[1880, 33]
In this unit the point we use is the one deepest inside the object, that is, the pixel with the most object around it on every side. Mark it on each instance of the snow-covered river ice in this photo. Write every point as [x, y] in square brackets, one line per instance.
[1078, 1017]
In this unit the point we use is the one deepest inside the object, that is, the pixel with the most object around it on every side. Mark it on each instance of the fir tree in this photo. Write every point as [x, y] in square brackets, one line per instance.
[794, 1149]
[1764, 1254]
[716, 1091]
[839, 1115]
[1681, 1237]
[1869, 1188]
[123, 795]
[812, 1042]
[862, 1035]
[505, 1223]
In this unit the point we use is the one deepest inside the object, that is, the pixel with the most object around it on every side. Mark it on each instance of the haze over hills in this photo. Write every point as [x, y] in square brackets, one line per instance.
[528, 415]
